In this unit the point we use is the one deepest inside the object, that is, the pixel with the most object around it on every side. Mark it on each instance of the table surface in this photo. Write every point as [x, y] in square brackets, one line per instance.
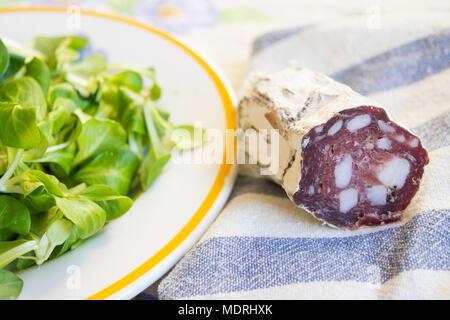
[224, 30]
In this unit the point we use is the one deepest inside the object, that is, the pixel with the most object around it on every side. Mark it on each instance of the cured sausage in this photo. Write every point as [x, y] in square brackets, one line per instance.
[341, 157]
[359, 168]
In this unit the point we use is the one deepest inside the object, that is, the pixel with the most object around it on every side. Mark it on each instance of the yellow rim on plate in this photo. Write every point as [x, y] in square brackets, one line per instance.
[224, 170]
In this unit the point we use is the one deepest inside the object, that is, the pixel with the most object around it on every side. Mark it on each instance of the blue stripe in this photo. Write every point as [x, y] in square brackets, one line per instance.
[399, 67]
[228, 264]
[434, 133]
[269, 39]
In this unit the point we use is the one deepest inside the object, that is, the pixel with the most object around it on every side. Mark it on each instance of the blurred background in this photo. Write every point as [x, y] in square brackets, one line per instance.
[225, 30]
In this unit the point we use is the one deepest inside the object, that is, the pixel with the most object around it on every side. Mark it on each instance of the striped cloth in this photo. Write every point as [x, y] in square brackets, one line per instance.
[262, 247]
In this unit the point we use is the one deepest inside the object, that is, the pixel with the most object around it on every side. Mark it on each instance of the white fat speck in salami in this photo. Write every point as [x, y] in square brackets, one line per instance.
[317, 139]
[358, 122]
[369, 145]
[400, 138]
[343, 172]
[347, 200]
[311, 190]
[335, 127]
[319, 129]
[394, 172]
[384, 143]
[385, 127]
[414, 143]
[377, 195]
[305, 142]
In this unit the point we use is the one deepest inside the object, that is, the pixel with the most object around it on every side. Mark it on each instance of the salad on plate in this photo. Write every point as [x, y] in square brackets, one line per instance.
[79, 139]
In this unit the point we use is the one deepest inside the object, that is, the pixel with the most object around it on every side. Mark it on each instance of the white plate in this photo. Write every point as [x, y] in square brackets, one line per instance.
[135, 250]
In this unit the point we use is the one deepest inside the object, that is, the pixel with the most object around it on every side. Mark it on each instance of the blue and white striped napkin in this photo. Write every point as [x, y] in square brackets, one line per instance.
[262, 247]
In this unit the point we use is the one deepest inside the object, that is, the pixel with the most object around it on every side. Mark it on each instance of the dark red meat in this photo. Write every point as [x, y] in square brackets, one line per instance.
[359, 168]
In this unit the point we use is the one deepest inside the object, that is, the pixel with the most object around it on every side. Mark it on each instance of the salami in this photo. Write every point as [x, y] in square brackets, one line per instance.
[359, 169]
[341, 158]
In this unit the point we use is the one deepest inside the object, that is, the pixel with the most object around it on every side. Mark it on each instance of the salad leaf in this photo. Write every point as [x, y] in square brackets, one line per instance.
[70, 241]
[58, 50]
[114, 204]
[4, 58]
[33, 179]
[26, 92]
[114, 167]
[92, 65]
[57, 117]
[71, 130]
[39, 200]
[15, 64]
[129, 79]
[26, 261]
[66, 90]
[152, 168]
[57, 233]
[11, 250]
[41, 222]
[188, 137]
[39, 71]
[88, 216]
[155, 92]
[37, 151]
[133, 119]
[49, 230]
[14, 216]
[98, 135]
[10, 285]
[19, 128]
[128, 96]
[84, 75]
[109, 104]
[62, 157]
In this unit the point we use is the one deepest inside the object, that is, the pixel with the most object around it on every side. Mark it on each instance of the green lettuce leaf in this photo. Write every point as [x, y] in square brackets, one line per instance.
[114, 167]
[11, 250]
[88, 216]
[97, 135]
[10, 285]
[14, 216]
[109, 199]
[19, 128]
[25, 92]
